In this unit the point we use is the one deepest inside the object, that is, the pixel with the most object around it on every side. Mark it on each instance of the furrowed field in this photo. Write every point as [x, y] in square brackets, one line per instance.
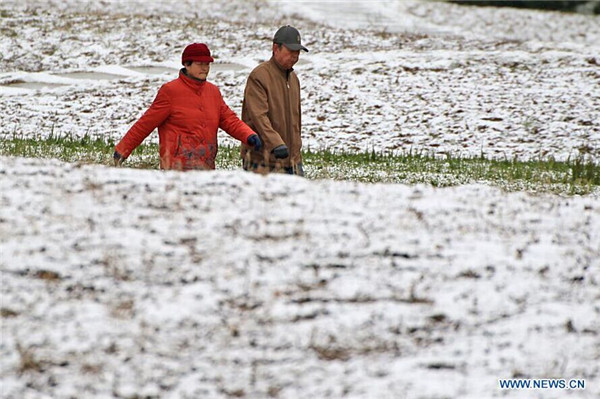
[447, 235]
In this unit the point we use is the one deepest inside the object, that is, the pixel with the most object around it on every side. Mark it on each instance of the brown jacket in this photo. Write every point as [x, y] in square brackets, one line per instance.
[272, 109]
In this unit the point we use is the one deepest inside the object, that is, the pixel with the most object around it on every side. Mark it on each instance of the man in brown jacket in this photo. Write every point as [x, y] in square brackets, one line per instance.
[272, 108]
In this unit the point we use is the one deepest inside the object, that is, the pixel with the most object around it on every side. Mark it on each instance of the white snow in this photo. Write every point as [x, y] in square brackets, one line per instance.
[122, 283]
[203, 284]
[387, 75]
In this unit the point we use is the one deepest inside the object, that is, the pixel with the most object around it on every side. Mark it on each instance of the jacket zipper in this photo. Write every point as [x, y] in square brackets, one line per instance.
[289, 115]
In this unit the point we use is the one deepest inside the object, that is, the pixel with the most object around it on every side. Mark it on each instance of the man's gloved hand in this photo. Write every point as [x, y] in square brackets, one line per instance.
[281, 152]
[254, 141]
[118, 158]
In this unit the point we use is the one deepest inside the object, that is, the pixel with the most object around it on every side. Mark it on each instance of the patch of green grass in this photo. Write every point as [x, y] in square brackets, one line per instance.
[571, 177]
[86, 150]
[579, 176]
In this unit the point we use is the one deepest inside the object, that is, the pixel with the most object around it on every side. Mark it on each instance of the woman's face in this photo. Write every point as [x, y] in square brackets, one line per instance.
[198, 70]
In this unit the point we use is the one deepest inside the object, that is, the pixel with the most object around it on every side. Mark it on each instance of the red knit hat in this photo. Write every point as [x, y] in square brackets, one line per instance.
[198, 52]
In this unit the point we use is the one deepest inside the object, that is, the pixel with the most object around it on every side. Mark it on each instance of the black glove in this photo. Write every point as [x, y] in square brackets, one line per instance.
[281, 152]
[118, 158]
[254, 141]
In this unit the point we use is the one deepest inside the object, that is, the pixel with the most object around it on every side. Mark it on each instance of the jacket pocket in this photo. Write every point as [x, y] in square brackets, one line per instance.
[177, 146]
[193, 153]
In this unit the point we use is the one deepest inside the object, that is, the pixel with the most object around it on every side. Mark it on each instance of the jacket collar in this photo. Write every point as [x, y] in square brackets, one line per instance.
[194, 84]
[286, 72]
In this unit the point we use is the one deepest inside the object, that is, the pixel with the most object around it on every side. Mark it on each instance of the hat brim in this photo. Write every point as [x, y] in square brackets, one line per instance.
[295, 47]
[200, 58]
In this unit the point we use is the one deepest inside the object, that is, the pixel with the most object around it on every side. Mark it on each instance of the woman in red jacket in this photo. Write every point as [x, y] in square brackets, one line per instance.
[187, 112]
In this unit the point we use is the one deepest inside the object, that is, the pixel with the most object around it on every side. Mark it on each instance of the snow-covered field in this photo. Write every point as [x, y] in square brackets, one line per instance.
[391, 75]
[122, 283]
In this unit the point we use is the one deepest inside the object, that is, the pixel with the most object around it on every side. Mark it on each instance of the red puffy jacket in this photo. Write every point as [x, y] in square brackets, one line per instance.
[188, 114]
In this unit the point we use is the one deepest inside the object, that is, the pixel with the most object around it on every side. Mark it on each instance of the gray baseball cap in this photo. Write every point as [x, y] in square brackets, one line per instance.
[289, 37]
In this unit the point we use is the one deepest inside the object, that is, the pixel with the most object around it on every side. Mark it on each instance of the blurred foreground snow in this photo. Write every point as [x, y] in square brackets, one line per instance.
[120, 282]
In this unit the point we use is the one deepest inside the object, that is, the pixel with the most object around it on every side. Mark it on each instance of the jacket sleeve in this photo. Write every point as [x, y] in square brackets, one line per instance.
[153, 117]
[231, 124]
[257, 106]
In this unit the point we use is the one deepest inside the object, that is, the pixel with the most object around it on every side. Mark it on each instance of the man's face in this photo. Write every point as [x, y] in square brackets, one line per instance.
[198, 70]
[284, 56]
